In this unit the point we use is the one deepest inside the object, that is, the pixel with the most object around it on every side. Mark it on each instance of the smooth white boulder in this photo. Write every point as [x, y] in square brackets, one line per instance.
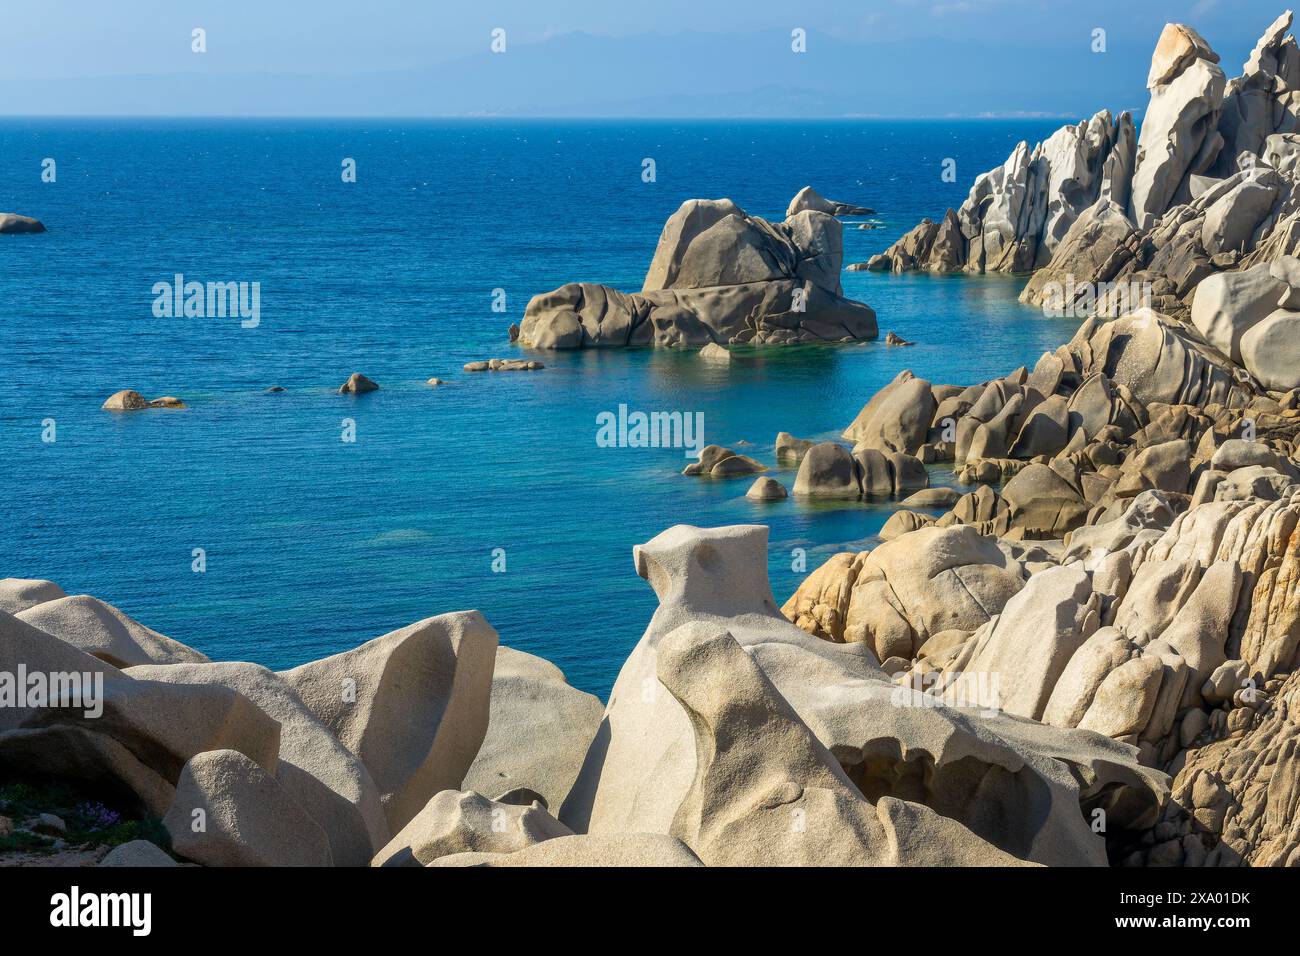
[1271, 350]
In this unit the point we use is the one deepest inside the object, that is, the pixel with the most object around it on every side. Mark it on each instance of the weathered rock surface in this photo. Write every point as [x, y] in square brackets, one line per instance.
[588, 850]
[719, 277]
[413, 705]
[230, 812]
[19, 594]
[103, 631]
[539, 728]
[467, 822]
[315, 770]
[835, 749]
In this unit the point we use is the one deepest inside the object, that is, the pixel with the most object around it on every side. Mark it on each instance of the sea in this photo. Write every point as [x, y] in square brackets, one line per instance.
[280, 527]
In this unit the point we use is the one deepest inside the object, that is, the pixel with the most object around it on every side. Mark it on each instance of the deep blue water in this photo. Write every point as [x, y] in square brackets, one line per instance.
[314, 545]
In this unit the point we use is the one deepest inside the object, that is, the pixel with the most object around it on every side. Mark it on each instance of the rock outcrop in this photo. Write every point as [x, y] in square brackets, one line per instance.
[1111, 220]
[719, 276]
[11, 222]
[413, 705]
[837, 744]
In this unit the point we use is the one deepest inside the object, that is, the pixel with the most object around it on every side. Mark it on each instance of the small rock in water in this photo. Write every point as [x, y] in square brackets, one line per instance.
[126, 400]
[504, 365]
[894, 339]
[129, 400]
[514, 331]
[275, 388]
[713, 352]
[356, 384]
[718, 462]
[766, 489]
[434, 381]
[13, 223]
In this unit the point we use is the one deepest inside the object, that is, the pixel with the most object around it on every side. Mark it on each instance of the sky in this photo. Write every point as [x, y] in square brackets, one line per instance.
[598, 57]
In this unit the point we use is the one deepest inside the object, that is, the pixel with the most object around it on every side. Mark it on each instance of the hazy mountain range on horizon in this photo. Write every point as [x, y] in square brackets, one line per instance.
[680, 75]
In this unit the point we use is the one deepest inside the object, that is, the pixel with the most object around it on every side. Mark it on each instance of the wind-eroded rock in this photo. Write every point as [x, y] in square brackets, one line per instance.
[719, 277]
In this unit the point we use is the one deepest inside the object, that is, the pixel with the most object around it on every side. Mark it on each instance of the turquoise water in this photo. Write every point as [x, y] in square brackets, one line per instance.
[313, 544]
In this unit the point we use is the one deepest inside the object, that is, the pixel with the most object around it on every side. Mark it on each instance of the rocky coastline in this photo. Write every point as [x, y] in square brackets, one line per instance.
[1090, 658]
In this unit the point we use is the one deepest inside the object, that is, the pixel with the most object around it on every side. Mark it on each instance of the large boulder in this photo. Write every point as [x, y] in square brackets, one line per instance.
[1229, 304]
[1159, 361]
[315, 770]
[1060, 286]
[1039, 630]
[413, 705]
[827, 471]
[767, 790]
[662, 760]
[640, 765]
[1043, 503]
[897, 418]
[1179, 136]
[161, 726]
[718, 276]
[105, 632]
[19, 594]
[538, 731]
[1270, 350]
[898, 596]
[230, 812]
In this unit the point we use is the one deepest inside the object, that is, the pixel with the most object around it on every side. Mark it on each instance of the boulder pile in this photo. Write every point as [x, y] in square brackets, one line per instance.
[719, 276]
[1125, 564]
[432, 745]
[1109, 221]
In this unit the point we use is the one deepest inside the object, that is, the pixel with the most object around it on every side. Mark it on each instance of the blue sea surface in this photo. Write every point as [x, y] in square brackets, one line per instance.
[313, 544]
